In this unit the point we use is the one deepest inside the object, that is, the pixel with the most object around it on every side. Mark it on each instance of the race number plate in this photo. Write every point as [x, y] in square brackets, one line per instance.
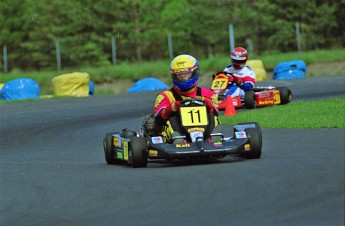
[194, 116]
[219, 83]
[276, 95]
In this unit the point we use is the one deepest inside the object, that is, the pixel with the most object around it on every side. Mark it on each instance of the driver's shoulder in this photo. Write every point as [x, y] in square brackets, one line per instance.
[247, 69]
[229, 69]
[167, 94]
[206, 92]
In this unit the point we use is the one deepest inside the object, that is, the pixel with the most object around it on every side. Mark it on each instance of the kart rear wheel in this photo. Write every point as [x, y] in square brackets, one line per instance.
[138, 154]
[249, 100]
[255, 141]
[285, 95]
[109, 152]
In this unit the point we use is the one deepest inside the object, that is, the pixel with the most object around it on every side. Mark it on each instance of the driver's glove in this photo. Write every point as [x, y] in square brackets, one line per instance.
[209, 105]
[237, 81]
[173, 107]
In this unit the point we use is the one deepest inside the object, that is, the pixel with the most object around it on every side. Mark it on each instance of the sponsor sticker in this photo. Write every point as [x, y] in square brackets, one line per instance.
[153, 153]
[217, 144]
[196, 134]
[247, 147]
[263, 95]
[125, 149]
[262, 102]
[117, 142]
[234, 102]
[182, 145]
[196, 129]
[157, 140]
[119, 155]
[240, 135]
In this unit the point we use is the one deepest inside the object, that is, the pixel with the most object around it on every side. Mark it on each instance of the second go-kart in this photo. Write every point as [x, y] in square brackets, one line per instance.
[138, 148]
[260, 96]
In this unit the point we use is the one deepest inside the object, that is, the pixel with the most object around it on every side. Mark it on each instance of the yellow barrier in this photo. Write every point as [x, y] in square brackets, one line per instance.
[258, 67]
[73, 84]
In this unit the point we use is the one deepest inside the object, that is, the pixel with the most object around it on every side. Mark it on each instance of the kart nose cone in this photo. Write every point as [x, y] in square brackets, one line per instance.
[201, 143]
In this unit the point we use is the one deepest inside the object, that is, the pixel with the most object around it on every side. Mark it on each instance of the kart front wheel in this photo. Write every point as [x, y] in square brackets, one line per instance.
[249, 100]
[255, 142]
[109, 152]
[285, 95]
[138, 154]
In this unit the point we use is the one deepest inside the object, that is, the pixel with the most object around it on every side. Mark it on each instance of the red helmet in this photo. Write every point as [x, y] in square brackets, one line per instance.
[239, 57]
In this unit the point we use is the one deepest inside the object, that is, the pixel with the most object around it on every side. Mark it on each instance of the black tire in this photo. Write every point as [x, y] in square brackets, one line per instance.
[138, 154]
[109, 152]
[285, 95]
[255, 141]
[249, 100]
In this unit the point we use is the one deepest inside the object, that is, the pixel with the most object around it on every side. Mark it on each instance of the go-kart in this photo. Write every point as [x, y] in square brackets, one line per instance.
[137, 148]
[260, 96]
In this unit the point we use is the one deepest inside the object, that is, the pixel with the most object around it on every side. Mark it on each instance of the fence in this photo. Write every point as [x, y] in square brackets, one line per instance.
[170, 47]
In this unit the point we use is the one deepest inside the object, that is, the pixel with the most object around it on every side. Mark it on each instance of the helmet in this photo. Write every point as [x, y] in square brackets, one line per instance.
[239, 57]
[184, 66]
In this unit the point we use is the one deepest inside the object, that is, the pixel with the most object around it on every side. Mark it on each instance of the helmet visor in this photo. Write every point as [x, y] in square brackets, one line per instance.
[184, 76]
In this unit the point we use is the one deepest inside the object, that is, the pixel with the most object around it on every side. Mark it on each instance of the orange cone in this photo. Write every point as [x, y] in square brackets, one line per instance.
[229, 108]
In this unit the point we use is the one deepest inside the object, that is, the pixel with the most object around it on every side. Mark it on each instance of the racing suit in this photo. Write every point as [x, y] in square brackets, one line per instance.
[246, 75]
[167, 97]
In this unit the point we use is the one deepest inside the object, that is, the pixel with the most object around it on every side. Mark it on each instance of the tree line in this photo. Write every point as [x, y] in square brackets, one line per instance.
[84, 29]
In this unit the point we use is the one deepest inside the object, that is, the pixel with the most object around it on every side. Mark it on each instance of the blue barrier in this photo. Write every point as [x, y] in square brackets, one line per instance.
[91, 88]
[19, 89]
[147, 84]
[290, 69]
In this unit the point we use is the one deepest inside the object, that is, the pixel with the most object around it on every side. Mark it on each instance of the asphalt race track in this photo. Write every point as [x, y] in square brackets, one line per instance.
[53, 172]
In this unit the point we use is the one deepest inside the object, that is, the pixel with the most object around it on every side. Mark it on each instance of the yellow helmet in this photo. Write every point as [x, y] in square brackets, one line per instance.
[184, 64]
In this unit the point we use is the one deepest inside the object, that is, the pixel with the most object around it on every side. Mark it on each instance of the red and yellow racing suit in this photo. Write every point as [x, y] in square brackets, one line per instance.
[167, 97]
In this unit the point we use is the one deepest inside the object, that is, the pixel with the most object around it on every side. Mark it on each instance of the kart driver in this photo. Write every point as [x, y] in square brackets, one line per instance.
[243, 77]
[185, 74]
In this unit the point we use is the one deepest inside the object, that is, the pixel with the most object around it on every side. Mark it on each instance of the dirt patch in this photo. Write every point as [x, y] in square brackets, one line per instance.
[116, 87]
[322, 69]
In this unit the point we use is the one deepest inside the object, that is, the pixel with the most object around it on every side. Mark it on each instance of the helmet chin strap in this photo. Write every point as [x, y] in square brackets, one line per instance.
[238, 66]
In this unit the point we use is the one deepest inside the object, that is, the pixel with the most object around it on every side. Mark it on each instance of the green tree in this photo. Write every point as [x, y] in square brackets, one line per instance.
[315, 17]
[177, 18]
[11, 19]
[84, 28]
[38, 45]
[210, 27]
[338, 33]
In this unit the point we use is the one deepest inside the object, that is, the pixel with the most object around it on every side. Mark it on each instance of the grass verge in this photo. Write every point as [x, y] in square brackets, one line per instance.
[326, 113]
